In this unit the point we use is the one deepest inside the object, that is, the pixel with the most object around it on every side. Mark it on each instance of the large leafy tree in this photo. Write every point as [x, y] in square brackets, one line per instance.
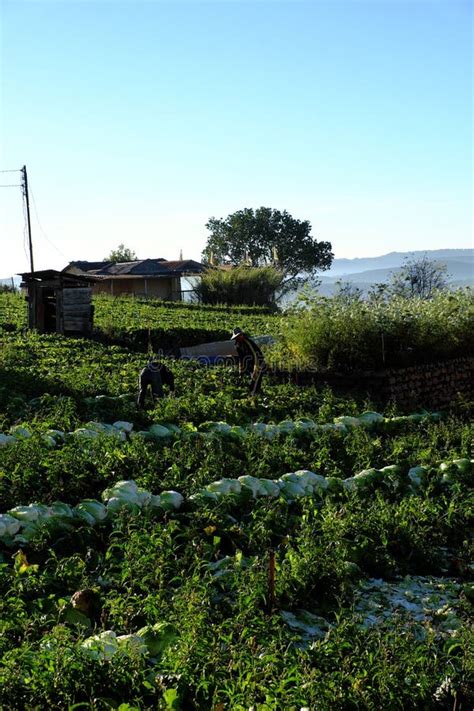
[121, 254]
[265, 236]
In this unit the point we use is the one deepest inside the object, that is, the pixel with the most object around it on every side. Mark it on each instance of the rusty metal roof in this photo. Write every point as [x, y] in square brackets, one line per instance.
[139, 268]
[48, 274]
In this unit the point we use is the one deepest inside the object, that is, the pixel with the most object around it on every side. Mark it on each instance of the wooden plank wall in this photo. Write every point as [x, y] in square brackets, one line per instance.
[32, 306]
[77, 310]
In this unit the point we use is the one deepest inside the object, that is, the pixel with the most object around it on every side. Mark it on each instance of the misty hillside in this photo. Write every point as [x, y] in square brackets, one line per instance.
[366, 271]
[392, 260]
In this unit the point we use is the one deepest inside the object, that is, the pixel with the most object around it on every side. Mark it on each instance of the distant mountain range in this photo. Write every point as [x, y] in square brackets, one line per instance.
[363, 272]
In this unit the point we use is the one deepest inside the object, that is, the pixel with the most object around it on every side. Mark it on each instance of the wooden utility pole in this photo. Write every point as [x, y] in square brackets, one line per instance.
[27, 201]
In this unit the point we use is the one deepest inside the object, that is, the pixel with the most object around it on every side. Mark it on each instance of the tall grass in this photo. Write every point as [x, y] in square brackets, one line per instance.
[242, 285]
[363, 335]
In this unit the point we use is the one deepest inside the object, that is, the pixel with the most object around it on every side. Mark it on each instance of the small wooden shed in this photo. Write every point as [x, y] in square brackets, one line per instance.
[59, 302]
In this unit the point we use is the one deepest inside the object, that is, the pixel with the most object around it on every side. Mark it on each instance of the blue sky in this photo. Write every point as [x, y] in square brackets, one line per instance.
[138, 121]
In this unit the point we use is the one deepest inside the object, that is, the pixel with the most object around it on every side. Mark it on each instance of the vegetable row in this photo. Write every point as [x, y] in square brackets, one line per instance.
[427, 601]
[21, 523]
[162, 431]
[151, 640]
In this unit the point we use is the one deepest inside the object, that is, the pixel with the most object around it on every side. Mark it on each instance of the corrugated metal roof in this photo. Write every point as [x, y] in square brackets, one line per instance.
[48, 274]
[88, 266]
[141, 267]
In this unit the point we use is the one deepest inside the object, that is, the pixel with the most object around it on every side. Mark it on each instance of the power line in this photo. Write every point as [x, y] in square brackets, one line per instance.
[26, 211]
[40, 225]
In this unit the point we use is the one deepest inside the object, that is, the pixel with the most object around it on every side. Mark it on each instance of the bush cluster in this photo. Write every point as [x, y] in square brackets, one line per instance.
[241, 285]
[341, 335]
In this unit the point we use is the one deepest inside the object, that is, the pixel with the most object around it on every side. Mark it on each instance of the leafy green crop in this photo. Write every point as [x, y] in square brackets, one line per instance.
[286, 552]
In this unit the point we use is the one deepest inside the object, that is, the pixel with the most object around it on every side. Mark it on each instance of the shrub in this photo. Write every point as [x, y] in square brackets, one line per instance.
[241, 285]
[364, 335]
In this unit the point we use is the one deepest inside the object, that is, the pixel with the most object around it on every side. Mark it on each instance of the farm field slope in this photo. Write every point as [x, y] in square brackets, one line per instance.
[213, 552]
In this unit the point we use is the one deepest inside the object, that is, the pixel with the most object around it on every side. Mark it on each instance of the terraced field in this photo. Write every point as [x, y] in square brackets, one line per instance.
[213, 552]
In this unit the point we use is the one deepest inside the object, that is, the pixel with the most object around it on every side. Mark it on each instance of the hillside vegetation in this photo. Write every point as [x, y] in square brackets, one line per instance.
[327, 334]
[213, 551]
[355, 335]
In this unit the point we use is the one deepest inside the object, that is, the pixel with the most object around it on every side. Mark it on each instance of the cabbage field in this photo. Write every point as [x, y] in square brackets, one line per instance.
[304, 550]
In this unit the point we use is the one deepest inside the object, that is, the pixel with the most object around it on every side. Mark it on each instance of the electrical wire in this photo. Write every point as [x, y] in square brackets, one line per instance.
[40, 225]
[25, 231]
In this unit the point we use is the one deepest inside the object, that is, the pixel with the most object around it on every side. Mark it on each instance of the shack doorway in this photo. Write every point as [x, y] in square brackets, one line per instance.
[48, 299]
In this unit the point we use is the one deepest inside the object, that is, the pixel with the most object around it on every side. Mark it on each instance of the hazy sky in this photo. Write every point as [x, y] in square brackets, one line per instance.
[138, 121]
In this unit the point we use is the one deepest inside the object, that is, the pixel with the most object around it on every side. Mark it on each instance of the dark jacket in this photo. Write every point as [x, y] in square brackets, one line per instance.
[250, 356]
[157, 374]
[155, 368]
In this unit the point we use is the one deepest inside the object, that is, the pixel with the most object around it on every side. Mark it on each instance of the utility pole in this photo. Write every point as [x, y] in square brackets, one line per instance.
[27, 201]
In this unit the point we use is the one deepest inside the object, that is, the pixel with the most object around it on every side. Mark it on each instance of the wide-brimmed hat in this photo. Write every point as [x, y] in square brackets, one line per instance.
[236, 332]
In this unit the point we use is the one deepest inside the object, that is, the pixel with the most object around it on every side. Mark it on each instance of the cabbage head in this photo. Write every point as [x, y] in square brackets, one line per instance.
[292, 490]
[62, 510]
[127, 490]
[170, 500]
[159, 431]
[417, 476]
[271, 431]
[347, 421]
[91, 511]
[123, 426]
[101, 646]
[225, 486]
[33, 513]
[84, 433]
[158, 637]
[370, 419]
[58, 435]
[286, 426]
[132, 643]
[6, 439]
[20, 432]
[172, 427]
[268, 487]
[9, 525]
[250, 484]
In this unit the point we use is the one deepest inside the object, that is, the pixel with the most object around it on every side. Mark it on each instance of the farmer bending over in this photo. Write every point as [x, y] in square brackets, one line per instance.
[156, 375]
[251, 360]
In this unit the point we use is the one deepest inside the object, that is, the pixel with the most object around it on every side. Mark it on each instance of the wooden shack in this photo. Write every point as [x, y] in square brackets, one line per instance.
[59, 302]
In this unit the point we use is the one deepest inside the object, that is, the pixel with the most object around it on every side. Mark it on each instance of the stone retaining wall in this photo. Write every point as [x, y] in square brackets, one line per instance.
[434, 385]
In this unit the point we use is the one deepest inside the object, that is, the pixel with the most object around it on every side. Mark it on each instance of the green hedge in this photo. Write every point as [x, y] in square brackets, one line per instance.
[240, 285]
[364, 335]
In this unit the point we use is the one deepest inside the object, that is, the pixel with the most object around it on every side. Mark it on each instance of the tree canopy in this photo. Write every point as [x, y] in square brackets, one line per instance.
[264, 237]
[420, 277]
[121, 254]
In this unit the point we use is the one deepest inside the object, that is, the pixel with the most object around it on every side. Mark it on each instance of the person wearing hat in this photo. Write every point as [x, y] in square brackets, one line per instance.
[155, 375]
[251, 360]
